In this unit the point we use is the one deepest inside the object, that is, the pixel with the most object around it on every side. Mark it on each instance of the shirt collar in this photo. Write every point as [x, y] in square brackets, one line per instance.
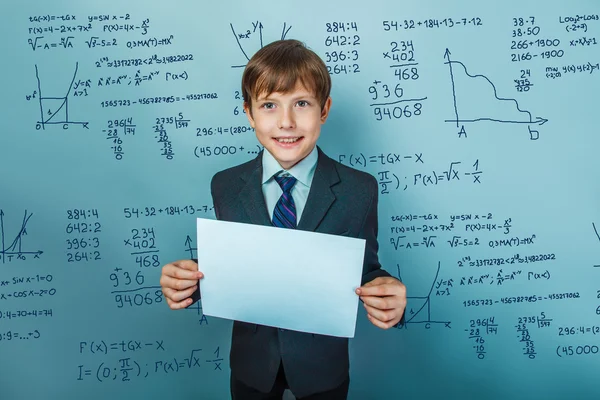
[304, 171]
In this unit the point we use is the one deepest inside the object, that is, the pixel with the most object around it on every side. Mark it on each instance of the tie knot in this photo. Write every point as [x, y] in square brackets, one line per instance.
[286, 182]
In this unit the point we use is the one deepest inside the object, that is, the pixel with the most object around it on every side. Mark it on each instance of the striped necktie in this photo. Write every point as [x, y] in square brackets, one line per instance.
[284, 214]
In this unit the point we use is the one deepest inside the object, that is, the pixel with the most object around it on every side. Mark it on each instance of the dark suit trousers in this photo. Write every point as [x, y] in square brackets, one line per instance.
[239, 391]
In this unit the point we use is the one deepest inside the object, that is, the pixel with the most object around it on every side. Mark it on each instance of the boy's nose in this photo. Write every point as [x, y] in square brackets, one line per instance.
[286, 120]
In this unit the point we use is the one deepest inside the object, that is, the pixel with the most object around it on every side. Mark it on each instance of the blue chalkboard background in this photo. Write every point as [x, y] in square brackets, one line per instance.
[478, 121]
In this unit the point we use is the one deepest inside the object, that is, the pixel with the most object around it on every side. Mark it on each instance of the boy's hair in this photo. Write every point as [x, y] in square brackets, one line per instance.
[278, 66]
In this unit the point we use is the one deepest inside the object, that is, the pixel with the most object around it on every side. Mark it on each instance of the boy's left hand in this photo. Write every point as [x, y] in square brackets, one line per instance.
[384, 299]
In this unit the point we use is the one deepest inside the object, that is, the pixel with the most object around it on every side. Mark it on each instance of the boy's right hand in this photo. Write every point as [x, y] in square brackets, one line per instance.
[179, 280]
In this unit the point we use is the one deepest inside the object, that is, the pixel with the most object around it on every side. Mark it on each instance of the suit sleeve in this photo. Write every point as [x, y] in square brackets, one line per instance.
[213, 190]
[196, 295]
[371, 267]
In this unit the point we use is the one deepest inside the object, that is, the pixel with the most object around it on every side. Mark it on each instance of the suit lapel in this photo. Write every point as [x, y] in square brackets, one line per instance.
[320, 197]
[251, 194]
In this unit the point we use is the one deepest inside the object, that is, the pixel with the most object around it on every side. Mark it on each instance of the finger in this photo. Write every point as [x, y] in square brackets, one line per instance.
[179, 305]
[380, 324]
[176, 284]
[386, 302]
[174, 295]
[378, 281]
[174, 270]
[382, 303]
[185, 269]
[377, 290]
[187, 264]
[179, 296]
[383, 286]
[374, 282]
[380, 315]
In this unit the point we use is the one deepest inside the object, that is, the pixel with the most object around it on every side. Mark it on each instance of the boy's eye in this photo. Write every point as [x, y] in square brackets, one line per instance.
[302, 103]
[268, 106]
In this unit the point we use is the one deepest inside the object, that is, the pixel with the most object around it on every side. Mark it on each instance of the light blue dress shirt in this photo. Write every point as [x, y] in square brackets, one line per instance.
[304, 172]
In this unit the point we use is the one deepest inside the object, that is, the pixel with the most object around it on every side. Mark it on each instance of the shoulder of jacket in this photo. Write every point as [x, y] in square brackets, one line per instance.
[227, 175]
[348, 172]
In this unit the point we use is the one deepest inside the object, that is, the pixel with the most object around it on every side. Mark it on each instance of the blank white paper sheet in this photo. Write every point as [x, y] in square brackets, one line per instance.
[286, 278]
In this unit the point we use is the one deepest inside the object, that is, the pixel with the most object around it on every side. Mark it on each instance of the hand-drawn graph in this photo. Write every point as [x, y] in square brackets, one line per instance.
[499, 111]
[197, 306]
[598, 236]
[55, 110]
[189, 248]
[15, 250]
[246, 39]
[418, 309]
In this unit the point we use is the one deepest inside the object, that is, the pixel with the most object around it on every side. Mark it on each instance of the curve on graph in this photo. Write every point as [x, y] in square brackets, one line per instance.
[65, 98]
[428, 295]
[494, 87]
[14, 243]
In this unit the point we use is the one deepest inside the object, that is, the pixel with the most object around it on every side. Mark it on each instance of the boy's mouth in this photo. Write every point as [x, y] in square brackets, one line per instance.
[287, 140]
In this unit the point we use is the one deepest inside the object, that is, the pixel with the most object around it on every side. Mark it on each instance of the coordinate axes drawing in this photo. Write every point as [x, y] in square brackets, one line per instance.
[55, 110]
[243, 37]
[522, 117]
[418, 309]
[15, 249]
[197, 306]
[598, 236]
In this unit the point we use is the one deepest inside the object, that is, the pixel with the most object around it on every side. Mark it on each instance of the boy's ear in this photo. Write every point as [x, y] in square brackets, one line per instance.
[325, 110]
[248, 111]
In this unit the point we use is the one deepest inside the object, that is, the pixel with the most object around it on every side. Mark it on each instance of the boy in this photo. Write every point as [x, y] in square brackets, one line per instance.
[286, 90]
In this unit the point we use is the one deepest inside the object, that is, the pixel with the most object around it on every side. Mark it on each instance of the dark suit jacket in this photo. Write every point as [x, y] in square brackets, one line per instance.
[341, 201]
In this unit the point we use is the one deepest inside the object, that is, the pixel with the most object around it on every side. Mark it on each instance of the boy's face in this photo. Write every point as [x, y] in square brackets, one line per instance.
[288, 124]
